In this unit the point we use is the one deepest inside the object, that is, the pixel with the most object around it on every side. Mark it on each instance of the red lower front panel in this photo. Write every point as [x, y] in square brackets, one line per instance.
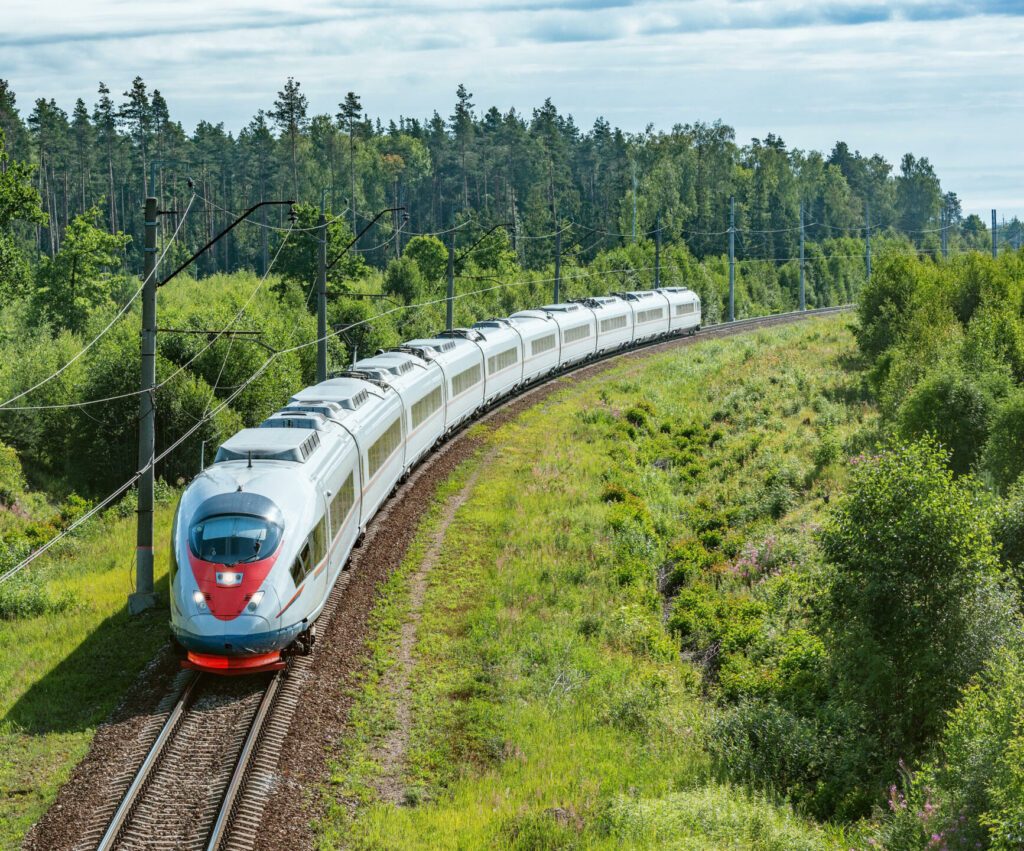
[231, 665]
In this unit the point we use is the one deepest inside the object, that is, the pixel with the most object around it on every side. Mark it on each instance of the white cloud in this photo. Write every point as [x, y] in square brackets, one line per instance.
[936, 78]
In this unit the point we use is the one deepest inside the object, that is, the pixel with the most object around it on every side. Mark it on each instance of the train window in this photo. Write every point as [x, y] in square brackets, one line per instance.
[502, 360]
[319, 538]
[684, 309]
[384, 447]
[234, 539]
[544, 344]
[342, 504]
[466, 379]
[648, 315]
[426, 406]
[580, 332]
[303, 564]
[613, 323]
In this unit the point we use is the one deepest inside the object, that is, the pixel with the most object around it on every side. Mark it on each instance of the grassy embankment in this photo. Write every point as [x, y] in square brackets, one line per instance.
[552, 706]
[68, 652]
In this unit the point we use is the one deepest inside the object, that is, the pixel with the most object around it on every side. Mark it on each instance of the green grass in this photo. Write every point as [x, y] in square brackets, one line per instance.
[62, 671]
[551, 705]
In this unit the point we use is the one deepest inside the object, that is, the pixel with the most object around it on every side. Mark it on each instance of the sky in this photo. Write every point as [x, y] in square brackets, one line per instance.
[941, 78]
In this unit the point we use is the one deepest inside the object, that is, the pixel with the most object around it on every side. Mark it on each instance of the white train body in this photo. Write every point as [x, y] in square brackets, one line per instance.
[261, 536]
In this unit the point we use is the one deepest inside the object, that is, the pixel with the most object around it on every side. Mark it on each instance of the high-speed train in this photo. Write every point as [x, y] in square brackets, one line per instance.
[261, 536]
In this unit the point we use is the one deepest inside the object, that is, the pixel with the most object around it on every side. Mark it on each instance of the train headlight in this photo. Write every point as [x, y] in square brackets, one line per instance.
[254, 602]
[200, 600]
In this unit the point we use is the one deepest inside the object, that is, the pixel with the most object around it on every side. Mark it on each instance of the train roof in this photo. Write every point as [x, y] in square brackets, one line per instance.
[295, 419]
[395, 363]
[269, 444]
[602, 301]
[532, 313]
[429, 348]
[350, 393]
[564, 307]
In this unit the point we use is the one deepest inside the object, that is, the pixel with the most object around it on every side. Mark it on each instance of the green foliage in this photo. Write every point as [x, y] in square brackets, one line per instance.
[19, 199]
[404, 280]
[79, 279]
[971, 795]
[1004, 452]
[297, 254]
[430, 256]
[913, 607]
[24, 597]
[953, 409]
[1008, 532]
[884, 303]
[12, 481]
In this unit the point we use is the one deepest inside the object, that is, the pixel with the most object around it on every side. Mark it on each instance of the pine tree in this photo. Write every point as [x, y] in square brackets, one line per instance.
[289, 114]
[350, 111]
[462, 128]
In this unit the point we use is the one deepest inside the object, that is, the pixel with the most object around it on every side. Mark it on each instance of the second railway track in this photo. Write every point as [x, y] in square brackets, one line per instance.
[206, 760]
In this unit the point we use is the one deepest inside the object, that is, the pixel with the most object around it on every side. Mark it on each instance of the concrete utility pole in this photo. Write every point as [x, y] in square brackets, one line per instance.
[867, 238]
[634, 201]
[145, 596]
[995, 236]
[657, 251]
[558, 263]
[321, 292]
[732, 258]
[803, 300]
[450, 304]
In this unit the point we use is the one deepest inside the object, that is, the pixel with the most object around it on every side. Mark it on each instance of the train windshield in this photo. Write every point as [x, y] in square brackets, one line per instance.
[234, 539]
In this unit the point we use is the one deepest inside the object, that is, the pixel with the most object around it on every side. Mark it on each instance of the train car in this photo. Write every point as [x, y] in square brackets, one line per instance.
[614, 322]
[462, 364]
[502, 347]
[259, 538]
[539, 333]
[577, 330]
[684, 309]
[374, 420]
[650, 314]
[420, 386]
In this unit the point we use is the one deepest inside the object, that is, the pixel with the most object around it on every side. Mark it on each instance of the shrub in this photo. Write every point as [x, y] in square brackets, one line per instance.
[954, 409]
[1004, 453]
[766, 745]
[637, 417]
[702, 617]
[21, 598]
[972, 794]
[912, 609]
[687, 560]
[12, 481]
[883, 306]
[1008, 531]
[635, 629]
[635, 706]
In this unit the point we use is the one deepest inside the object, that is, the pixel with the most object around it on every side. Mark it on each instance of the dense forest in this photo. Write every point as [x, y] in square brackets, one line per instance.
[539, 173]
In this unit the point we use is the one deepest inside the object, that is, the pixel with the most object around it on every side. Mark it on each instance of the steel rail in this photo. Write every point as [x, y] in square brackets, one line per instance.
[149, 764]
[222, 825]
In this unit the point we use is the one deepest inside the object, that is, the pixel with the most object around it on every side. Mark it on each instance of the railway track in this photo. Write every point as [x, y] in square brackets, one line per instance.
[213, 744]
